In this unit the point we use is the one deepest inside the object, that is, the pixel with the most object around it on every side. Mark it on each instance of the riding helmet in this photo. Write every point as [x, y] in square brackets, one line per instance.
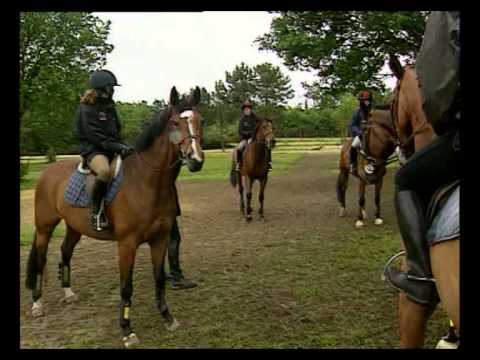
[101, 78]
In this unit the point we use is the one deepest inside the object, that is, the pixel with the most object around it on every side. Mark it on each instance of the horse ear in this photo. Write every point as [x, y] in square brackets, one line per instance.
[174, 97]
[395, 66]
[196, 96]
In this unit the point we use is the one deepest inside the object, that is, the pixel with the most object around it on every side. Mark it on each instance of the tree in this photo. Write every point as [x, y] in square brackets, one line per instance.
[273, 88]
[240, 84]
[348, 49]
[57, 52]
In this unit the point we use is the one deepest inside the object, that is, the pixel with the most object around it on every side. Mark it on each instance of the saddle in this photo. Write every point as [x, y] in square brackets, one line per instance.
[443, 214]
[79, 188]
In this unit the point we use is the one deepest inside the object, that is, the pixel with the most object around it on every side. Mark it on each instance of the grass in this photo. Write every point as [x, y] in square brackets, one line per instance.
[217, 167]
[27, 232]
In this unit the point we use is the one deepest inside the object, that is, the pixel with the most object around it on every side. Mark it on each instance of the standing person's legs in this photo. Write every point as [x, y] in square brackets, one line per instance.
[178, 280]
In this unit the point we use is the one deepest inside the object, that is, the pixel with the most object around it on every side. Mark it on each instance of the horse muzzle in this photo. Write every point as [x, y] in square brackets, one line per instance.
[193, 164]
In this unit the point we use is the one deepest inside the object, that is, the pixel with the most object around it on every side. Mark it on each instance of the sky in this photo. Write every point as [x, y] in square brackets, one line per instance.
[155, 51]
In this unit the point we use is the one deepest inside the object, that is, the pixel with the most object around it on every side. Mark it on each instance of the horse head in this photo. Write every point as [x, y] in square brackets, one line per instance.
[264, 132]
[185, 128]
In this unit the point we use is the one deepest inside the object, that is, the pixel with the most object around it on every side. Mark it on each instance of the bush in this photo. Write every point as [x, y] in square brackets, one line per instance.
[24, 168]
[51, 155]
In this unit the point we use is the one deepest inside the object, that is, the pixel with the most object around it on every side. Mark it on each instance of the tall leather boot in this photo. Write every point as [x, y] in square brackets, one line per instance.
[417, 283]
[269, 159]
[178, 280]
[239, 160]
[98, 221]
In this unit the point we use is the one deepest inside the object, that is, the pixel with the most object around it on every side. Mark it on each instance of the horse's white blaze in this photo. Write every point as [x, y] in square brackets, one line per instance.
[196, 156]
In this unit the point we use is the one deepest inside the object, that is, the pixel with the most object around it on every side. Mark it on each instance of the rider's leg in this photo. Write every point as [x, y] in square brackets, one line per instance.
[427, 170]
[240, 148]
[100, 165]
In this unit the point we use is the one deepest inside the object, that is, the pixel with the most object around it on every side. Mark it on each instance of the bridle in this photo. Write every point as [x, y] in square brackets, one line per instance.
[181, 157]
[395, 120]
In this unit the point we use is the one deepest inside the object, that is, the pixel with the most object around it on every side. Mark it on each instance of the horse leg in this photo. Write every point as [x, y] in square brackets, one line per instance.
[240, 190]
[361, 204]
[342, 183]
[157, 251]
[413, 321]
[126, 254]
[36, 264]
[261, 197]
[445, 260]
[248, 186]
[378, 189]
[72, 237]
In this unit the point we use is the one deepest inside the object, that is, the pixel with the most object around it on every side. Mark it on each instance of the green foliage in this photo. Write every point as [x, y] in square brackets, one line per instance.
[24, 168]
[272, 87]
[57, 52]
[51, 155]
[347, 48]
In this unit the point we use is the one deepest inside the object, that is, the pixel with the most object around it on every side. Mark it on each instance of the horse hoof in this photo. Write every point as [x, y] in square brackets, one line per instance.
[130, 340]
[359, 224]
[378, 221]
[364, 215]
[70, 299]
[341, 213]
[248, 218]
[261, 219]
[37, 310]
[173, 326]
[443, 344]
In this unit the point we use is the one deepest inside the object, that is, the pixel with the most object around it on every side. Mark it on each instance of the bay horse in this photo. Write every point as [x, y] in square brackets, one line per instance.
[379, 143]
[254, 167]
[414, 133]
[143, 210]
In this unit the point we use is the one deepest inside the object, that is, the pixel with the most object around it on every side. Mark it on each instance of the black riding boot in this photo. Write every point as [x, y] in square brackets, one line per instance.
[239, 160]
[417, 283]
[98, 221]
[269, 159]
[178, 280]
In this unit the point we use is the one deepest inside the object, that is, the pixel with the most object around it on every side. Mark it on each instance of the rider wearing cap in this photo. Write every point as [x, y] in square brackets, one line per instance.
[246, 130]
[360, 115]
[97, 128]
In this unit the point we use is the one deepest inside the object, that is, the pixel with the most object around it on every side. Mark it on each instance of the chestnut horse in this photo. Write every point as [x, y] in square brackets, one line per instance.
[414, 133]
[379, 143]
[143, 210]
[254, 167]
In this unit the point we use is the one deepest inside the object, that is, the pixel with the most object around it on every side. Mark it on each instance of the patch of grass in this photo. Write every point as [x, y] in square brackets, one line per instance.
[217, 166]
[27, 232]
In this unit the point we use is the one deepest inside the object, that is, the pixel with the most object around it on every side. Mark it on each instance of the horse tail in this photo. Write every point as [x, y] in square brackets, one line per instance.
[32, 269]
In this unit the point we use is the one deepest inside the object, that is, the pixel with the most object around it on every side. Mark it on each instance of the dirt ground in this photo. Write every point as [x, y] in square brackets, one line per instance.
[273, 284]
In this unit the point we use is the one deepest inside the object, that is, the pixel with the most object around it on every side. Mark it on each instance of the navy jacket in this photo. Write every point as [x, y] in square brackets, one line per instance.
[355, 123]
[97, 128]
[247, 126]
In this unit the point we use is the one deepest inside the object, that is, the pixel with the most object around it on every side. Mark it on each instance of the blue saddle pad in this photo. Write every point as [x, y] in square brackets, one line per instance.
[446, 222]
[76, 192]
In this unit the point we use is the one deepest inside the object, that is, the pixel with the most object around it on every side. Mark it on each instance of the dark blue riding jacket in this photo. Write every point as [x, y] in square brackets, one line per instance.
[355, 123]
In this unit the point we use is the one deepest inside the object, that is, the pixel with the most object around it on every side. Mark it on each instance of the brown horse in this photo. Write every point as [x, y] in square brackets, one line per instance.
[143, 210]
[415, 132]
[379, 143]
[254, 167]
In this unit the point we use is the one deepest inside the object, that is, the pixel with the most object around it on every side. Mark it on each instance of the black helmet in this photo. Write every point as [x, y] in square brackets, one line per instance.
[365, 95]
[101, 78]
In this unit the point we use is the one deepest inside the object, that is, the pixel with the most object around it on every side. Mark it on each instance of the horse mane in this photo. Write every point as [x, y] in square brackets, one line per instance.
[153, 129]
